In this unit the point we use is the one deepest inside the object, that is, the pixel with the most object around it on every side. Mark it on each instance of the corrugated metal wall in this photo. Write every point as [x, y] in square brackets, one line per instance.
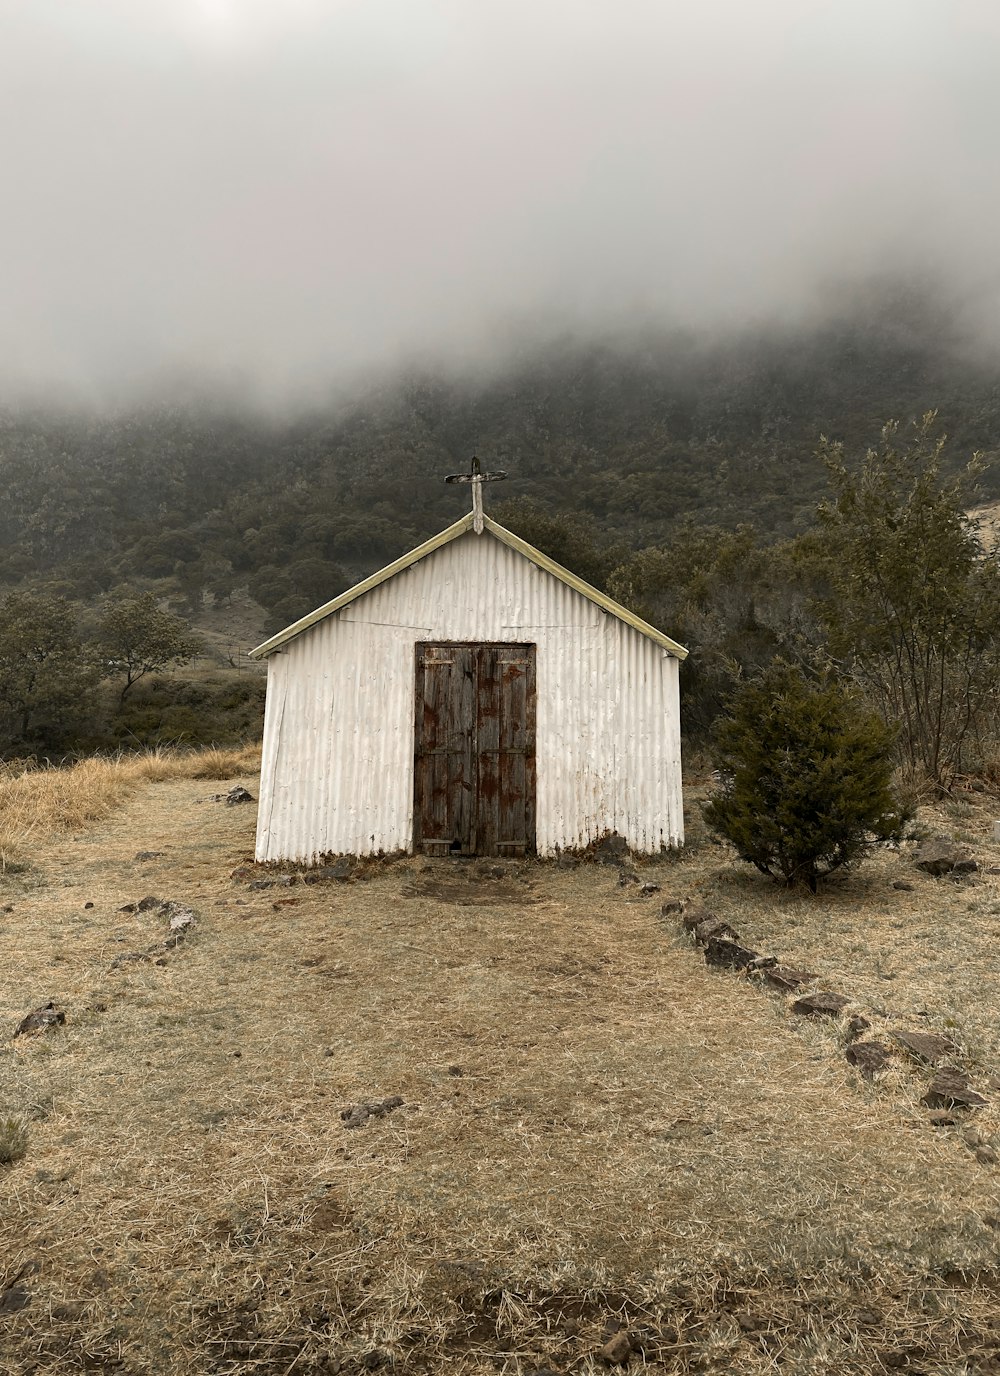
[337, 773]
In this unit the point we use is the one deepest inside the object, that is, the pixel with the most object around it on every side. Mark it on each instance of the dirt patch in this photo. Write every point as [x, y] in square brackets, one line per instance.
[472, 891]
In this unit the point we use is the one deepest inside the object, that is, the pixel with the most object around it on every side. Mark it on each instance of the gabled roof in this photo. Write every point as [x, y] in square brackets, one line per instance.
[542, 561]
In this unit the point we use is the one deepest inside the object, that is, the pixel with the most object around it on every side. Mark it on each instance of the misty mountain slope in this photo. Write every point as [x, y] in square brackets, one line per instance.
[631, 438]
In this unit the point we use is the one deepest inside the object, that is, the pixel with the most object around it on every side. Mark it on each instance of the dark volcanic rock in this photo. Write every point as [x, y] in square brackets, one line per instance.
[41, 1018]
[713, 927]
[616, 1350]
[786, 979]
[238, 794]
[356, 1115]
[694, 914]
[926, 1046]
[729, 955]
[868, 1057]
[825, 1004]
[937, 857]
[950, 1088]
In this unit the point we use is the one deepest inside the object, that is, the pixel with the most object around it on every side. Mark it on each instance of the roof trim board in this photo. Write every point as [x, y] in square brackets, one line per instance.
[444, 537]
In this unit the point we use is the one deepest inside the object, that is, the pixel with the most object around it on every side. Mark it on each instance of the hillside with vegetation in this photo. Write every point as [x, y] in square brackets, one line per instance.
[675, 471]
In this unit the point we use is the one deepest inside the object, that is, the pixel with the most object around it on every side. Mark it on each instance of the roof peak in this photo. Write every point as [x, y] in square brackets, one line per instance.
[461, 527]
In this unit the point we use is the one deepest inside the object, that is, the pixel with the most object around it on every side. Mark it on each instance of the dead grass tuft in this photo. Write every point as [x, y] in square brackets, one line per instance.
[37, 801]
[13, 1138]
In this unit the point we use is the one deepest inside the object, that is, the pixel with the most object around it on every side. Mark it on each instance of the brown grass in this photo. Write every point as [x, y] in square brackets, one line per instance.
[35, 802]
[595, 1129]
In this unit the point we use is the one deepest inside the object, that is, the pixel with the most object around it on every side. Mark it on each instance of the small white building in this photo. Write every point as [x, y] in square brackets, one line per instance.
[474, 697]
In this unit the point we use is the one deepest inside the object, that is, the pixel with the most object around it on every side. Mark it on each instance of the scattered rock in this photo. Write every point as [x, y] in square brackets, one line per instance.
[648, 889]
[260, 884]
[937, 858]
[694, 915]
[868, 1057]
[965, 867]
[627, 877]
[144, 905]
[147, 855]
[455, 1070]
[926, 1046]
[857, 1025]
[87, 905]
[729, 955]
[238, 794]
[127, 908]
[786, 979]
[950, 1088]
[181, 918]
[14, 1299]
[341, 869]
[713, 927]
[285, 880]
[986, 1155]
[48, 1015]
[616, 1350]
[356, 1115]
[902, 885]
[671, 906]
[942, 1118]
[824, 1004]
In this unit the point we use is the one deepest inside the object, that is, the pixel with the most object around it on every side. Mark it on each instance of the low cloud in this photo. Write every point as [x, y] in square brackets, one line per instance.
[279, 195]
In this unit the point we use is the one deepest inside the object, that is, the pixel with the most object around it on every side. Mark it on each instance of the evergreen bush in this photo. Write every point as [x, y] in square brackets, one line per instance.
[806, 775]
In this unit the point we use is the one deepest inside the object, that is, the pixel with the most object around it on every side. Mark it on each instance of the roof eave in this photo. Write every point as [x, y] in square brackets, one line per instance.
[444, 537]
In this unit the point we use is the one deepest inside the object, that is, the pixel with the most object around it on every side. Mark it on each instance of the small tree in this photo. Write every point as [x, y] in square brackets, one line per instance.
[806, 773]
[913, 615]
[136, 638]
[47, 676]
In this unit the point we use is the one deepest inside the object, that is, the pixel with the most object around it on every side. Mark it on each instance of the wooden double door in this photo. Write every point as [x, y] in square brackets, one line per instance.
[474, 768]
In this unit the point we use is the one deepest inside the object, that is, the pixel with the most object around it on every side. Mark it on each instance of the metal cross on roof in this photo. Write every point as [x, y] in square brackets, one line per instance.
[476, 478]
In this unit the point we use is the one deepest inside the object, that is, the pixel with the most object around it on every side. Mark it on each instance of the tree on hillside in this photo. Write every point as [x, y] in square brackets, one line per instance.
[806, 771]
[135, 637]
[913, 610]
[726, 597]
[47, 676]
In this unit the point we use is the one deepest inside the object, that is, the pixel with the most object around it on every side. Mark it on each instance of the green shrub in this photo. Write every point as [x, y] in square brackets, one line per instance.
[806, 777]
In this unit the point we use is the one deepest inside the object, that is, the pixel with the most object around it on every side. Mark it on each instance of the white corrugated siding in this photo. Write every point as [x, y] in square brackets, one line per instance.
[337, 772]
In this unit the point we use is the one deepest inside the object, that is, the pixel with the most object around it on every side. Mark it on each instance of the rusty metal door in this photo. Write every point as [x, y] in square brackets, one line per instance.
[474, 774]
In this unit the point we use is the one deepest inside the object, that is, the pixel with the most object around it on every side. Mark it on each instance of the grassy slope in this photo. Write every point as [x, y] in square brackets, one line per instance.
[630, 1134]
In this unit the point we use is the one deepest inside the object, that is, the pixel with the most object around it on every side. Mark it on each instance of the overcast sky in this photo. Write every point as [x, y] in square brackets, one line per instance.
[284, 191]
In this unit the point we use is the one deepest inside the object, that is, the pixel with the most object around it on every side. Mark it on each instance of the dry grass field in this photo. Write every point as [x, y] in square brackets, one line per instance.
[597, 1134]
